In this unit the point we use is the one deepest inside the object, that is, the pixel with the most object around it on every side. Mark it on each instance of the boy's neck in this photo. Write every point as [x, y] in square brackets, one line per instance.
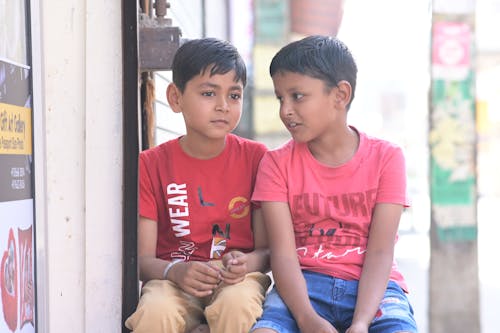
[339, 152]
[202, 149]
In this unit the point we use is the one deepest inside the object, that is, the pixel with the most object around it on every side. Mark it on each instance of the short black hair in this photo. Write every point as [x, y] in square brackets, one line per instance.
[195, 56]
[321, 57]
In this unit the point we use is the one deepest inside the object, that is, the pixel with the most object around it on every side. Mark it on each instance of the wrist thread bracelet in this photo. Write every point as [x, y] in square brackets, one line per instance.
[169, 266]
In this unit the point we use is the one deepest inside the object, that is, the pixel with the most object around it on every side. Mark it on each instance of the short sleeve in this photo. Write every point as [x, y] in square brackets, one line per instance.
[392, 186]
[271, 182]
[147, 202]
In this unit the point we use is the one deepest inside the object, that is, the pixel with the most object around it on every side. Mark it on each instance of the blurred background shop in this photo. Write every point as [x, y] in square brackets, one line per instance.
[82, 91]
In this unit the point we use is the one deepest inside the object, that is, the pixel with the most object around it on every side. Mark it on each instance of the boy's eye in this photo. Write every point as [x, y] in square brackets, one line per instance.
[235, 96]
[297, 96]
[208, 93]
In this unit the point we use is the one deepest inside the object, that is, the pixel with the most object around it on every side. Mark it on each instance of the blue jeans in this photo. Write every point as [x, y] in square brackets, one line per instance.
[334, 299]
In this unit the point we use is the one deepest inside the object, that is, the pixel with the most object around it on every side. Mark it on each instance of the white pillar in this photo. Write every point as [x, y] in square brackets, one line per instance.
[79, 222]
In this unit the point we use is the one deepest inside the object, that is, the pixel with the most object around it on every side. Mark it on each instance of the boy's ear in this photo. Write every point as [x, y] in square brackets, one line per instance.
[174, 98]
[343, 93]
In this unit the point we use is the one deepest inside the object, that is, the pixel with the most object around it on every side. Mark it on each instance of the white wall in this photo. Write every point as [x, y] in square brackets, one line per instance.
[79, 201]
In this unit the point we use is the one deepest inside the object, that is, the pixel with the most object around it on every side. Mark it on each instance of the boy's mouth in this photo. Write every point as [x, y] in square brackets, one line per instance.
[220, 121]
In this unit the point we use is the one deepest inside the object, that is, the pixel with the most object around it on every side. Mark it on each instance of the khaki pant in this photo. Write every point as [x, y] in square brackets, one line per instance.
[165, 308]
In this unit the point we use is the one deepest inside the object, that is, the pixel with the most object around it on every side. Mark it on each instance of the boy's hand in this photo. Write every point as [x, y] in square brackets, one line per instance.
[196, 278]
[317, 325]
[358, 328]
[235, 267]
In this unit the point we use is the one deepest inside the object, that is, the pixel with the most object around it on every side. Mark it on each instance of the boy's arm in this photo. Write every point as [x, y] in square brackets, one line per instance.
[286, 268]
[377, 264]
[258, 260]
[196, 278]
[150, 267]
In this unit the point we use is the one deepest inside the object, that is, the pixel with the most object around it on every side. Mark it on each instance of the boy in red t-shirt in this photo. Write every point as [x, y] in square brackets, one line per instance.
[202, 250]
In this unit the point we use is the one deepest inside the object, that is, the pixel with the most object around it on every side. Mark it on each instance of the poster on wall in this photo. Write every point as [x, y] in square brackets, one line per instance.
[452, 133]
[451, 50]
[17, 287]
[17, 259]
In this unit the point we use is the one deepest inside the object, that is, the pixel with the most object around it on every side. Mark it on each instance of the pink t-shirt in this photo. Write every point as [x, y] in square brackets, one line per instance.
[202, 207]
[331, 207]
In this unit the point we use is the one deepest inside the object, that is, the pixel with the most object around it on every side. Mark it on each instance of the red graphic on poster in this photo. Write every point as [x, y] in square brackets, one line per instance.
[8, 283]
[26, 288]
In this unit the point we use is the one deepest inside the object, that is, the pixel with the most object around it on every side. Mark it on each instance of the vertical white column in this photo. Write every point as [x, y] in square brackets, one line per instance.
[79, 199]
[103, 166]
[64, 80]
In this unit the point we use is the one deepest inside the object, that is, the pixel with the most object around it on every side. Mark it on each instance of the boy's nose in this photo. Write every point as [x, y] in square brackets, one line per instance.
[286, 110]
[222, 105]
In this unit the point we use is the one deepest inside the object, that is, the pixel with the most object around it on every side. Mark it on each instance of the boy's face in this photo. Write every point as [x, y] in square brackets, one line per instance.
[308, 108]
[211, 105]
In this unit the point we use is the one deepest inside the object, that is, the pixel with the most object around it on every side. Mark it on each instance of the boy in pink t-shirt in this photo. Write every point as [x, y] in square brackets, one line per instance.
[332, 198]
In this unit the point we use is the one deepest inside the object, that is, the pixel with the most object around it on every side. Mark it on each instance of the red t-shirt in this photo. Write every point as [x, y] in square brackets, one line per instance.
[202, 207]
[332, 207]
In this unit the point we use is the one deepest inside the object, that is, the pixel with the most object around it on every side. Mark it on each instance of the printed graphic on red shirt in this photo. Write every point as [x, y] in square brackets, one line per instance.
[178, 209]
[332, 227]
[179, 212]
[219, 243]
[218, 247]
[239, 207]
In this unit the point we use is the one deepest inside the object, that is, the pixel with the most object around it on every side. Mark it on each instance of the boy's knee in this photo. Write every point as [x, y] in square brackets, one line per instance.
[158, 305]
[232, 317]
[235, 308]
[160, 308]
[153, 317]
[243, 302]
[250, 292]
